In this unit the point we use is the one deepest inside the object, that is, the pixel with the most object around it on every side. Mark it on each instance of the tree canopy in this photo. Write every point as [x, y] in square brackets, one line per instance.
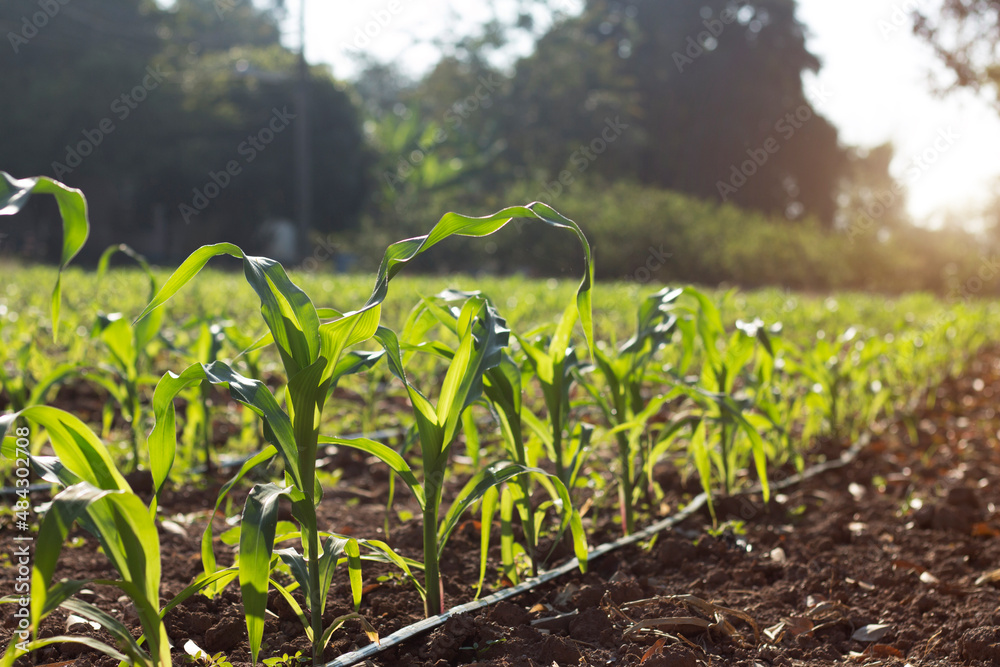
[174, 121]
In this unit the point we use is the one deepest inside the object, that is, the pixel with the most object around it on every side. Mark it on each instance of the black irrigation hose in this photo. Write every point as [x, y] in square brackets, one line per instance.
[696, 504]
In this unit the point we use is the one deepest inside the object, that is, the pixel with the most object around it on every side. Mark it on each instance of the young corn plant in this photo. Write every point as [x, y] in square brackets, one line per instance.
[14, 194]
[21, 388]
[198, 429]
[127, 348]
[725, 430]
[553, 366]
[622, 400]
[844, 388]
[96, 496]
[502, 390]
[314, 354]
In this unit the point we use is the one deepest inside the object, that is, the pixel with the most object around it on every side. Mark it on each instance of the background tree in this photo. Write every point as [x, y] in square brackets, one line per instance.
[965, 34]
[700, 85]
[179, 92]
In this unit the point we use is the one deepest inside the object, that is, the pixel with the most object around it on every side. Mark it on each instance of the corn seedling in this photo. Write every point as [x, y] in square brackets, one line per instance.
[725, 434]
[314, 355]
[14, 194]
[96, 496]
[623, 404]
[552, 361]
[502, 390]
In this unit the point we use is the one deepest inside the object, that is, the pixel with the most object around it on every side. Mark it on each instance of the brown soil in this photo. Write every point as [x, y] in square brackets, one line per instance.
[902, 538]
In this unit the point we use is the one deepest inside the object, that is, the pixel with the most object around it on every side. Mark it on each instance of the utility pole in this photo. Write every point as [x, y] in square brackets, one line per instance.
[303, 172]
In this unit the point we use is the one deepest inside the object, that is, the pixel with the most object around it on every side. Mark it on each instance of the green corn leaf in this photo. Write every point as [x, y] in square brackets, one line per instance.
[117, 335]
[457, 378]
[297, 566]
[333, 548]
[51, 470]
[488, 509]
[58, 593]
[390, 344]
[148, 616]
[296, 607]
[40, 393]
[340, 334]
[564, 330]
[131, 542]
[14, 194]
[13, 653]
[541, 362]
[188, 269]
[129, 538]
[260, 516]
[399, 254]
[207, 551]
[66, 508]
[110, 624]
[76, 446]
[474, 490]
[702, 460]
[387, 455]
[756, 444]
[146, 329]
[251, 393]
[471, 431]
[484, 337]
[219, 579]
[340, 620]
[384, 553]
[306, 395]
[289, 313]
[655, 321]
[353, 551]
[353, 362]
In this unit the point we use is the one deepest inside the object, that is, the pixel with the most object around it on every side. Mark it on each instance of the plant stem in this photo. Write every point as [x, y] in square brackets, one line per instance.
[206, 432]
[528, 524]
[136, 426]
[625, 485]
[315, 604]
[557, 448]
[723, 444]
[432, 575]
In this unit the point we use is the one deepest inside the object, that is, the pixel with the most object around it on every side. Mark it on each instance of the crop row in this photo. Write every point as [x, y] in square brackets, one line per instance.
[686, 385]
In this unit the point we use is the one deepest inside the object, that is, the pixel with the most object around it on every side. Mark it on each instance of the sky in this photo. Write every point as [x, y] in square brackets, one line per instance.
[875, 84]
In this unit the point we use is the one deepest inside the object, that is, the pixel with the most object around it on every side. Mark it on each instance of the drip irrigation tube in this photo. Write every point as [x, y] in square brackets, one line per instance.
[696, 504]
